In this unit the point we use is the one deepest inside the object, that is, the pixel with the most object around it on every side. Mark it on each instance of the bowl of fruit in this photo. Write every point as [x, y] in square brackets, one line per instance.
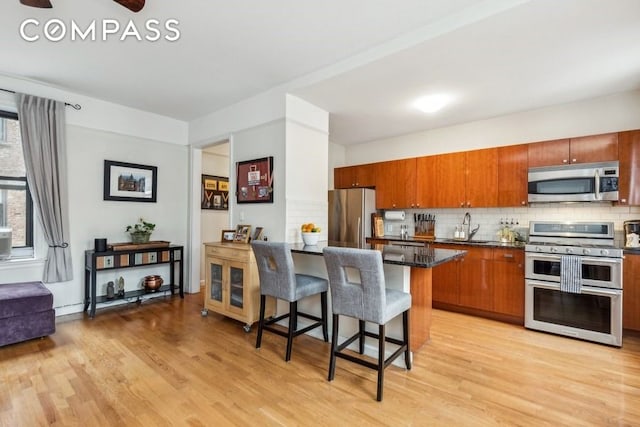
[310, 234]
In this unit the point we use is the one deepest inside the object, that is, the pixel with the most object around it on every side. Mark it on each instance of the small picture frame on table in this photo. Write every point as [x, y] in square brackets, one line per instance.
[243, 233]
[228, 236]
[257, 234]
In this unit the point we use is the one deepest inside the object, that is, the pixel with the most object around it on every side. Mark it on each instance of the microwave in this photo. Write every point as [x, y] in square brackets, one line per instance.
[583, 182]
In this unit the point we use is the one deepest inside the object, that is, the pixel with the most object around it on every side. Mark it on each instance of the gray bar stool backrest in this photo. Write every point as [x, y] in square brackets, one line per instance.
[364, 298]
[276, 269]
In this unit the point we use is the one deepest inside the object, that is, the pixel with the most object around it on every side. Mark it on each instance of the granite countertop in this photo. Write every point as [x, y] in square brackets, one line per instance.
[409, 256]
[485, 243]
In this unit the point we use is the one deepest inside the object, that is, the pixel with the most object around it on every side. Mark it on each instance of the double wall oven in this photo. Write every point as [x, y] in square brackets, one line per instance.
[581, 254]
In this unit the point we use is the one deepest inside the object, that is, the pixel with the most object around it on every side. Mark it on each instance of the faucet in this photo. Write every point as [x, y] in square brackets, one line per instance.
[467, 221]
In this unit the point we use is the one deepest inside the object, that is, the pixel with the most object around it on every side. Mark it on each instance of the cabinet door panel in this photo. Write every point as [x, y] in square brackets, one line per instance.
[475, 284]
[631, 300]
[445, 286]
[549, 153]
[513, 175]
[449, 181]
[482, 178]
[385, 185]
[508, 275]
[405, 183]
[237, 281]
[425, 179]
[594, 148]
[343, 177]
[365, 175]
[629, 146]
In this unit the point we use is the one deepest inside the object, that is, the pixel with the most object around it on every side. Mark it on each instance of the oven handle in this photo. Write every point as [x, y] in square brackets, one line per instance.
[585, 289]
[595, 260]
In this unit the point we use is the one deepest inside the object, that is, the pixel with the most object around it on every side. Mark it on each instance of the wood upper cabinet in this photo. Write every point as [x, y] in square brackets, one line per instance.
[631, 300]
[355, 176]
[476, 279]
[458, 180]
[586, 149]
[629, 183]
[513, 175]
[441, 180]
[396, 184]
[508, 282]
[481, 178]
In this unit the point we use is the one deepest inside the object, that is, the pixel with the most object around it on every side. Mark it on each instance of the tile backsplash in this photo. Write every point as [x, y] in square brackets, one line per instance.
[489, 218]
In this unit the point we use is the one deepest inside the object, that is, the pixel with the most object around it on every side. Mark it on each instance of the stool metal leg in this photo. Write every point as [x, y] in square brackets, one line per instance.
[323, 307]
[381, 340]
[334, 345]
[405, 332]
[361, 329]
[293, 325]
[263, 300]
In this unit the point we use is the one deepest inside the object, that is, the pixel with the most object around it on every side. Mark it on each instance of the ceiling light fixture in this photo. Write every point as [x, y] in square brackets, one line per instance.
[432, 103]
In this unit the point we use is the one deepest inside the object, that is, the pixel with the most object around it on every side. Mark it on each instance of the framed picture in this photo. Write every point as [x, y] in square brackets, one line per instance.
[243, 232]
[254, 180]
[129, 182]
[257, 233]
[215, 193]
[228, 236]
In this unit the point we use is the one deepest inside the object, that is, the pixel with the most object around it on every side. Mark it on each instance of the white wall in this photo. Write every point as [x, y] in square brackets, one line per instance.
[103, 131]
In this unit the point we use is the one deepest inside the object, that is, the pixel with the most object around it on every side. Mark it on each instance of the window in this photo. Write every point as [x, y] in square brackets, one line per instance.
[16, 206]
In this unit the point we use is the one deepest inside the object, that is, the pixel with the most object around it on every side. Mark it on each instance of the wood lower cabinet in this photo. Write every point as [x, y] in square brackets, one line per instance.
[488, 282]
[631, 292]
[475, 277]
[232, 282]
[508, 282]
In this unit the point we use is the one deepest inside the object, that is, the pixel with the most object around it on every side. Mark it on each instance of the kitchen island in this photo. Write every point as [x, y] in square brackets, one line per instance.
[406, 268]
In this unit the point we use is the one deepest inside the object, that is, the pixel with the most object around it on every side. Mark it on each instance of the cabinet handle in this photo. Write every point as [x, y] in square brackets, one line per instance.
[468, 204]
[523, 203]
[623, 200]
[508, 255]
[565, 161]
[462, 204]
[574, 160]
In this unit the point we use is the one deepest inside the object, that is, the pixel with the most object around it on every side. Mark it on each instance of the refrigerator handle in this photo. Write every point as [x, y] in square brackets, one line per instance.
[360, 244]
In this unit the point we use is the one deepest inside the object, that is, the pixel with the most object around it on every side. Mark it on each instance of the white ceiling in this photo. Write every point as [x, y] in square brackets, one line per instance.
[364, 61]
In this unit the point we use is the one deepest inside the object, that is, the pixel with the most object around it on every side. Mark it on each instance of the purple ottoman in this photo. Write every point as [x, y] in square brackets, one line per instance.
[26, 312]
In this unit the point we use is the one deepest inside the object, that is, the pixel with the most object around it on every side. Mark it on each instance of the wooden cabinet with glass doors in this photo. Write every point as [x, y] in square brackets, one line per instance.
[232, 283]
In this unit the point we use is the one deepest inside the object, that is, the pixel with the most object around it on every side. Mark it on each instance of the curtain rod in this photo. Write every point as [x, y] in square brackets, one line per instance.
[74, 106]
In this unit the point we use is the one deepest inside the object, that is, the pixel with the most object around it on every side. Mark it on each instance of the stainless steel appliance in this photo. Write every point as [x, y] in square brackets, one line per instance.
[587, 182]
[350, 215]
[593, 312]
[632, 233]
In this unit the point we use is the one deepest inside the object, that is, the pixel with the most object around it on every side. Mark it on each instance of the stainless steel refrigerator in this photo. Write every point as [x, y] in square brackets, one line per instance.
[350, 215]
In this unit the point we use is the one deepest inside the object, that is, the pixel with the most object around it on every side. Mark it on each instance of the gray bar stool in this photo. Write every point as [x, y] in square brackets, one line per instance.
[279, 280]
[368, 300]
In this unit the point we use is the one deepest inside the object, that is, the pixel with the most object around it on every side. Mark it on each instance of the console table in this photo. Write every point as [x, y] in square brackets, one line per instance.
[129, 258]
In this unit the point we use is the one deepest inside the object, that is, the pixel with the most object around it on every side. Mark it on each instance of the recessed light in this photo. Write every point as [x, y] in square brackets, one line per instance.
[432, 103]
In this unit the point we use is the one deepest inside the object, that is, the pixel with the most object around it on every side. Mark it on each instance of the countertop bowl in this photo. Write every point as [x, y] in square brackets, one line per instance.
[310, 238]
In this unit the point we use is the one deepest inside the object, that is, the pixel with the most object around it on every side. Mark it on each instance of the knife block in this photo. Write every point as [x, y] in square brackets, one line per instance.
[425, 231]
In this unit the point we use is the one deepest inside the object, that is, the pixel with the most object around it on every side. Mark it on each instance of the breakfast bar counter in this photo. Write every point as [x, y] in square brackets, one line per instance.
[406, 268]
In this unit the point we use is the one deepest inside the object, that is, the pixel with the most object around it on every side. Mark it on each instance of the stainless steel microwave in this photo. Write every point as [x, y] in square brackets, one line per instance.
[586, 182]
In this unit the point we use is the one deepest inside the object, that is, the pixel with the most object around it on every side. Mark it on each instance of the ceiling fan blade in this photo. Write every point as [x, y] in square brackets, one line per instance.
[132, 5]
[37, 3]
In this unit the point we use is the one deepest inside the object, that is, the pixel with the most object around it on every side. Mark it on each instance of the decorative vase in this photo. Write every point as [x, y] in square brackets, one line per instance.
[140, 237]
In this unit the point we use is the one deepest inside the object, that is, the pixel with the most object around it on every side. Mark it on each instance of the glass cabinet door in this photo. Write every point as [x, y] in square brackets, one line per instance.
[236, 286]
[215, 273]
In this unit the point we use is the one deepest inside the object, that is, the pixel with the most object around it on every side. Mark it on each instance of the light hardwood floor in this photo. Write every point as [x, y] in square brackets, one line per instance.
[161, 363]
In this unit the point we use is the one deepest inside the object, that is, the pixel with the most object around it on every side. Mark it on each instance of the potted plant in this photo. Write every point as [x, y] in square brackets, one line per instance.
[140, 231]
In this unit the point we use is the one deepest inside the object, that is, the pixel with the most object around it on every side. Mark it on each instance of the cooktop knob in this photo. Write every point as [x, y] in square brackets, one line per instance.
[604, 252]
[569, 250]
[586, 251]
[553, 249]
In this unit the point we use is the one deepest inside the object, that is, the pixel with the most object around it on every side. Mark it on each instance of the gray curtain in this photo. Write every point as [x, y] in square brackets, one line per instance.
[42, 124]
